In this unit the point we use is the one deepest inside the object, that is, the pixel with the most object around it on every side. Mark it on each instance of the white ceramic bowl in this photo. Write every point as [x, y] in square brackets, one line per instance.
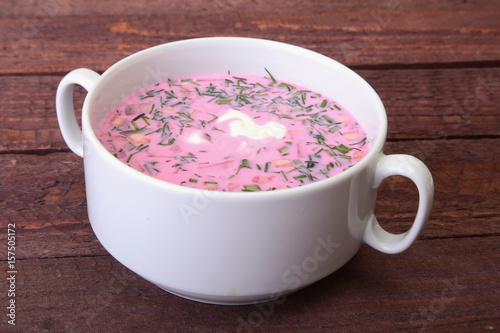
[227, 247]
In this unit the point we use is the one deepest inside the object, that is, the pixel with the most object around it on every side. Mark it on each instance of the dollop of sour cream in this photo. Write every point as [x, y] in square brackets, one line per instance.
[243, 124]
[196, 138]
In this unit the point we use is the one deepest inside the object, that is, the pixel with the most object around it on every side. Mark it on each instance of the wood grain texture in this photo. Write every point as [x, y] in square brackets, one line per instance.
[452, 289]
[421, 103]
[355, 33]
[436, 67]
[52, 218]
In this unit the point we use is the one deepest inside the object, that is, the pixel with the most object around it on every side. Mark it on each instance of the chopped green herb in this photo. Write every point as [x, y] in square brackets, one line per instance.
[168, 143]
[283, 84]
[224, 101]
[171, 94]
[252, 187]
[271, 76]
[342, 149]
[282, 149]
[284, 175]
[168, 112]
[141, 116]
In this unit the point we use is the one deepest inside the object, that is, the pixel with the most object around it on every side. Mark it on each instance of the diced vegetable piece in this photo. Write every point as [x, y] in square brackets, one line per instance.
[211, 186]
[137, 108]
[167, 110]
[351, 135]
[283, 108]
[358, 154]
[118, 122]
[139, 138]
[262, 179]
[282, 163]
[233, 187]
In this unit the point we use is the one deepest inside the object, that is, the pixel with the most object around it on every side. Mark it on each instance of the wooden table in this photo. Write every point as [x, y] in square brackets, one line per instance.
[435, 65]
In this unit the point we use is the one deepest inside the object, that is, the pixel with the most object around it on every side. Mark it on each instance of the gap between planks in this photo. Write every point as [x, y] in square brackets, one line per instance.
[388, 66]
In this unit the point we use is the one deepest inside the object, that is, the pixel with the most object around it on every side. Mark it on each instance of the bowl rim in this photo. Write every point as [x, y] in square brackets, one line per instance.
[375, 151]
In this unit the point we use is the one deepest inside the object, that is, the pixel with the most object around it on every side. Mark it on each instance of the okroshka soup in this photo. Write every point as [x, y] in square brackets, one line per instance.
[233, 132]
[213, 241]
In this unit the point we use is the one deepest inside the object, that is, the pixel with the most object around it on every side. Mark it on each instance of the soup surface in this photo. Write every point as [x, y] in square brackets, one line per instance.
[233, 133]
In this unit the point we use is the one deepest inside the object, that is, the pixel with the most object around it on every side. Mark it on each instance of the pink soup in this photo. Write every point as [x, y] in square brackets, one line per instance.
[233, 133]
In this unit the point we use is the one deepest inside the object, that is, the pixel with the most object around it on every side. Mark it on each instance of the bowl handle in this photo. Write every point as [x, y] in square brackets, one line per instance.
[66, 117]
[411, 167]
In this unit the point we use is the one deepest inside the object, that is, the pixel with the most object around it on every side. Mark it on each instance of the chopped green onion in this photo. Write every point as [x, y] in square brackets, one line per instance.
[271, 76]
[342, 149]
[170, 94]
[224, 101]
[282, 149]
[252, 187]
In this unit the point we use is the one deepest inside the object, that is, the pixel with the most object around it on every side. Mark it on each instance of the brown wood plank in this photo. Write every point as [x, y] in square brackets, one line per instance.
[466, 175]
[260, 8]
[437, 285]
[436, 67]
[464, 102]
[355, 33]
[439, 103]
[28, 118]
[45, 196]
